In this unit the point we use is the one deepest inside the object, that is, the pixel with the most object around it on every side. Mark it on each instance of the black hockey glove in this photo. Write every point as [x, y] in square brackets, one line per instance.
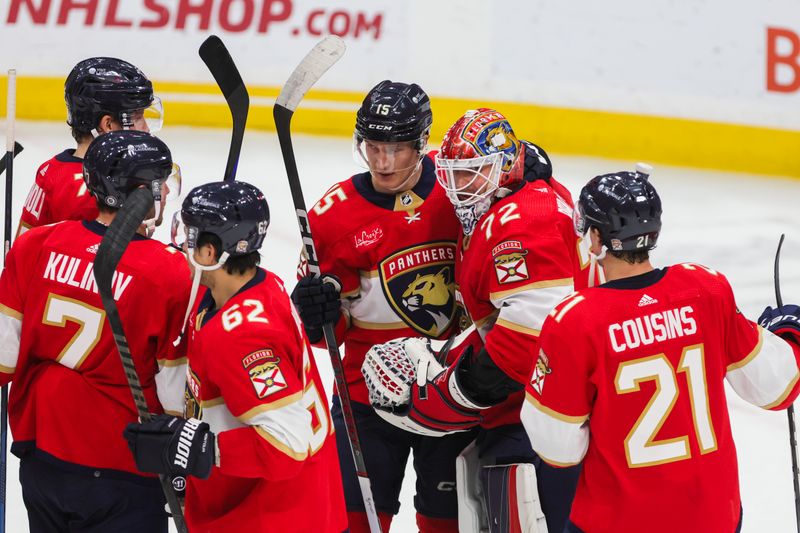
[318, 301]
[783, 321]
[171, 445]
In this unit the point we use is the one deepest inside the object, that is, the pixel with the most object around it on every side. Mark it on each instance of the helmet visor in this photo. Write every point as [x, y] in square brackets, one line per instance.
[174, 183]
[154, 115]
[579, 219]
[386, 157]
[467, 181]
[178, 231]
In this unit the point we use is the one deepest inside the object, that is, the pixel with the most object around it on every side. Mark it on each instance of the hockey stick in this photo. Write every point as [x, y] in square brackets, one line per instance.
[11, 111]
[790, 410]
[219, 62]
[17, 149]
[113, 245]
[311, 68]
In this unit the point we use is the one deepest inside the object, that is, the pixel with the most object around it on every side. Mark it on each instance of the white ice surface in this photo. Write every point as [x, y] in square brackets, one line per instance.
[730, 222]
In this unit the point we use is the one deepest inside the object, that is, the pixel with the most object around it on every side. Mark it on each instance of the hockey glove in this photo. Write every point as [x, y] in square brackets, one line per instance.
[783, 321]
[410, 389]
[171, 445]
[318, 302]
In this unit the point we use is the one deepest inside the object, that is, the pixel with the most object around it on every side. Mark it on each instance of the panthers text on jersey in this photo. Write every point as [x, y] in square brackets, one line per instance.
[58, 193]
[70, 398]
[395, 256]
[639, 393]
[253, 379]
[521, 260]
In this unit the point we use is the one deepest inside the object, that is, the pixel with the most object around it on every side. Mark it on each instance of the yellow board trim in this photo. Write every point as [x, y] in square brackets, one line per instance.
[628, 136]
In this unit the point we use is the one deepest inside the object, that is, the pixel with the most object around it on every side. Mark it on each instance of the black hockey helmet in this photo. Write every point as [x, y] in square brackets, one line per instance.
[105, 86]
[624, 207]
[118, 162]
[394, 112]
[234, 211]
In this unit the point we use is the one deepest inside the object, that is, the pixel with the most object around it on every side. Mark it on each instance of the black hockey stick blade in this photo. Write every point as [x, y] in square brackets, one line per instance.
[790, 410]
[220, 63]
[17, 149]
[777, 273]
[109, 253]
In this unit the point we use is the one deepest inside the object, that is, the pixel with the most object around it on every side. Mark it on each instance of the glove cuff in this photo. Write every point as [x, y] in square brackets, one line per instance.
[457, 391]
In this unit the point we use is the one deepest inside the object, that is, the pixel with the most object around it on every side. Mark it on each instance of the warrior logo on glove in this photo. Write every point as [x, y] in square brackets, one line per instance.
[419, 284]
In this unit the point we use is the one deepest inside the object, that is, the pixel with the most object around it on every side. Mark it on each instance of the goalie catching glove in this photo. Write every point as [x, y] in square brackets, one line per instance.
[171, 445]
[410, 389]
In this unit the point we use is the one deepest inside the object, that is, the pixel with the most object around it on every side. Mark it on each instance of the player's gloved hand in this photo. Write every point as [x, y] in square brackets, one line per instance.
[410, 389]
[318, 302]
[171, 445]
[783, 321]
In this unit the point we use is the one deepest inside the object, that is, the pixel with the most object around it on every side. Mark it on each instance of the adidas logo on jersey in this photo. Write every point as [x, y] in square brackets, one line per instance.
[647, 300]
[93, 248]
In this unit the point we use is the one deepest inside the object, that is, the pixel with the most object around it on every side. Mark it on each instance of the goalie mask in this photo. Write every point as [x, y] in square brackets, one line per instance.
[479, 160]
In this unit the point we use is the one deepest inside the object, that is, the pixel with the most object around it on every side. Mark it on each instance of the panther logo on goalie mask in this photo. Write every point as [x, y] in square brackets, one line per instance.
[418, 282]
[489, 132]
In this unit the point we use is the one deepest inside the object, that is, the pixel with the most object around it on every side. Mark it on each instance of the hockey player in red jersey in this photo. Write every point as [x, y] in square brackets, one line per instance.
[389, 237]
[518, 257]
[257, 438]
[69, 399]
[638, 393]
[102, 94]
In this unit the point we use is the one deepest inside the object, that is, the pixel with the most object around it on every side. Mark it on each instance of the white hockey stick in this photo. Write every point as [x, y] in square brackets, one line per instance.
[311, 68]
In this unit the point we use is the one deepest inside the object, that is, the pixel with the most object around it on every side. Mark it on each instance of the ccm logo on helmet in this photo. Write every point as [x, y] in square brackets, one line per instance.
[382, 127]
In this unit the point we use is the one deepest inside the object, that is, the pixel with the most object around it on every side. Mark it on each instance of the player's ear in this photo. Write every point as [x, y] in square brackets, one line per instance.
[596, 241]
[106, 124]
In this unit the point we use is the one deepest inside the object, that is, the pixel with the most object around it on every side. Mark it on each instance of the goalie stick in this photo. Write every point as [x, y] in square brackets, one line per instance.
[790, 410]
[220, 63]
[12, 149]
[311, 68]
[118, 235]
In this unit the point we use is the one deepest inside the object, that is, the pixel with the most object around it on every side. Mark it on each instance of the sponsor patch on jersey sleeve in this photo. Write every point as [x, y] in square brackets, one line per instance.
[509, 262]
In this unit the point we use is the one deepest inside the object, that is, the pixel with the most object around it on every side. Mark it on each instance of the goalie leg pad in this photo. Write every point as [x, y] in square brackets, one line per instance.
[511, 498]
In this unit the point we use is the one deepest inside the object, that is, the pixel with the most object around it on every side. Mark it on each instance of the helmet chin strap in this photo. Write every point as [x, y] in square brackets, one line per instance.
[594, 260]
[198, 271]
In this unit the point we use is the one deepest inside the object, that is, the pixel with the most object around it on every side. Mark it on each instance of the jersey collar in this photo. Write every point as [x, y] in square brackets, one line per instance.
[68, 156]
[100, 229]
[207, 304]
[427, 180]
[637, 282]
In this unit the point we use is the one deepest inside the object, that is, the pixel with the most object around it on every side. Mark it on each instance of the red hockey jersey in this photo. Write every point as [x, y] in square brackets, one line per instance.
[633, 372]
[395, 256]
[520, 261]
[69, 396]
[253, 379]
[58, 193]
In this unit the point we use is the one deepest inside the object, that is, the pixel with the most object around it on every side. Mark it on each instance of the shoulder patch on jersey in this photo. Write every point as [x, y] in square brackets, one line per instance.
[367, 237]
[509, 262]
[419, 283]
[192, 402]
[255, 357]
[540, 371]
[266, 376]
